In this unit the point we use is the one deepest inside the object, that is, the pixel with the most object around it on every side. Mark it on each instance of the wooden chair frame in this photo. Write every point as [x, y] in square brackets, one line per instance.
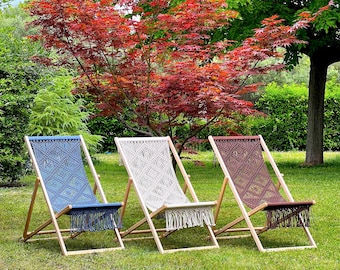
[246, 215]
[39, 183]
[158, 233]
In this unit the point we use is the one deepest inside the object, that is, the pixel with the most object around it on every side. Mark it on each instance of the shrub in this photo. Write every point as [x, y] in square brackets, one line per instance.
[285, 126]
[15, 102]
[108, 128]
[57, 112]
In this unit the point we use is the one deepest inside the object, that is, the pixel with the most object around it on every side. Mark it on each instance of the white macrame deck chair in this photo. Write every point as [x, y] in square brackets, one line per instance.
[245, 171]
[149, 165]
[59, 167]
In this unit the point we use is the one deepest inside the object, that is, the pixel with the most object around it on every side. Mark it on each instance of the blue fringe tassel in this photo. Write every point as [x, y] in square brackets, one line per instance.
[94, 220]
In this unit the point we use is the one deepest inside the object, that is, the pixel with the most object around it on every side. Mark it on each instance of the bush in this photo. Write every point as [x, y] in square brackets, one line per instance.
[15, 102]
[17, 76]
[285, 126]
[108, 128]
[57, 112]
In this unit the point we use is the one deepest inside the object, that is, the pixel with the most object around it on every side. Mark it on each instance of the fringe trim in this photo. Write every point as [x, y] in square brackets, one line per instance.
[180, 218]
[295, 216]
[94, 220]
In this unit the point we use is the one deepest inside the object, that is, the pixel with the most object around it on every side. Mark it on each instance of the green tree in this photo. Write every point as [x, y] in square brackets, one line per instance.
[24, 82]
[323, 49]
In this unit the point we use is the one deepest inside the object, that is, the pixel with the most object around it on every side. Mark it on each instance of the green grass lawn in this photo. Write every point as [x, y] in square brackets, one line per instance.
[320, 183]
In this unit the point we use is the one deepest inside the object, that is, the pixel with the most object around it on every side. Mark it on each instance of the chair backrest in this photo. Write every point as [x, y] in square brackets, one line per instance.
[243, 159]
[149, 164]
[59, 164]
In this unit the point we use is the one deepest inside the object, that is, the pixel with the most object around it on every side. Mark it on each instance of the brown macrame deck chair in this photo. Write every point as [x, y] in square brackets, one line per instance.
[149, 165]
[58, 163]
[242, 161]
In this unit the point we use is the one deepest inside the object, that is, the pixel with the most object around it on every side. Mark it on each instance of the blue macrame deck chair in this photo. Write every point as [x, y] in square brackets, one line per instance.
[58, 163]
[149, 165]
[245, 171]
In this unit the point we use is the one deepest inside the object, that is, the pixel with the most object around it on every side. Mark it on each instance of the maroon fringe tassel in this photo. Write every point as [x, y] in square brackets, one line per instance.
[294, 216]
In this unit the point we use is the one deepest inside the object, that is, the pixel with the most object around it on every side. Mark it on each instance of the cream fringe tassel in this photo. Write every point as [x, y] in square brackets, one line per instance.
[180, 218]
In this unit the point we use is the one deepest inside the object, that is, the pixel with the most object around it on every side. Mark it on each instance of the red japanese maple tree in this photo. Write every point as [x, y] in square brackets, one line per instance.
[152, 64]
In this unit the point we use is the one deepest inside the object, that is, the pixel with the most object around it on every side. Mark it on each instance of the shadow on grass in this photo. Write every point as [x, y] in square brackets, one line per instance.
[277, 238]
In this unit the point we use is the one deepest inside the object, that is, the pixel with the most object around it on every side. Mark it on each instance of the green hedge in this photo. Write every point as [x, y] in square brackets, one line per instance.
[285, 126]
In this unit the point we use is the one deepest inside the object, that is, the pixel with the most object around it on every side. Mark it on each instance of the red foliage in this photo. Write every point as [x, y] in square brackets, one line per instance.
[160, 70]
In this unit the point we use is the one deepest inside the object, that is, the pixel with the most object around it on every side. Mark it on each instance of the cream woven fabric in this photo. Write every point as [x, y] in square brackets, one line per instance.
[149, 163]
[153, 173]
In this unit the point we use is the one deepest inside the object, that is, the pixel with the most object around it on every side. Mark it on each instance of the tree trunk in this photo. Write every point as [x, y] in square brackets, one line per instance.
[317, 85]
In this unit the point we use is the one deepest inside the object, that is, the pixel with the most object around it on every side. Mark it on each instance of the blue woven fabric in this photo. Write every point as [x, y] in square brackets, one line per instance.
[59, 159]
[62, 169]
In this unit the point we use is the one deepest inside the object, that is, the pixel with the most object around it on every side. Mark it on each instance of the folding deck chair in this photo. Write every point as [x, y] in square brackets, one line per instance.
[59, 167]
[241, 159]
[149, 165]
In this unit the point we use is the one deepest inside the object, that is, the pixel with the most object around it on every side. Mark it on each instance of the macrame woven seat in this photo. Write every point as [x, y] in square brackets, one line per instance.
[250, 175]
[62, 170]
[149, 164]
[154, 176]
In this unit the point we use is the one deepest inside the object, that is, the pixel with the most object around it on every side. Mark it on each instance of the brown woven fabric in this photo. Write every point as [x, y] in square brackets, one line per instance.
[246, 166]
[244, 161]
